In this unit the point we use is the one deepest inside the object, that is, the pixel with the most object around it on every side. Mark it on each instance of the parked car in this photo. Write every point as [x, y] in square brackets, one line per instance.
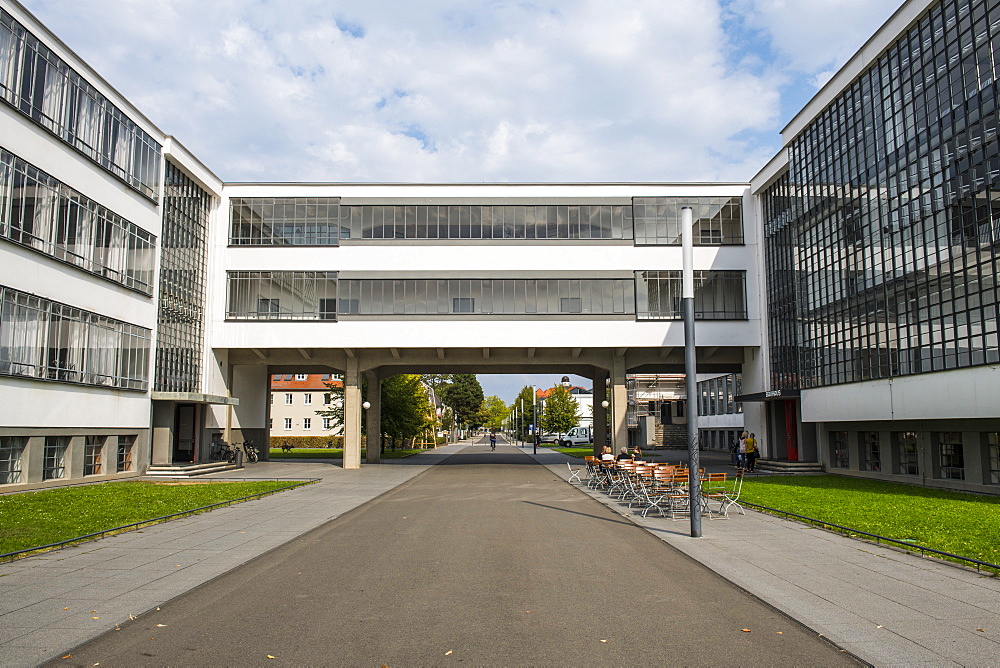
[551, 438]
[575, 436]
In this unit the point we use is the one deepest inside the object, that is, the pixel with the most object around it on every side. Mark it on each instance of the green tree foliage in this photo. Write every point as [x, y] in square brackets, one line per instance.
[406, 410]
[436, 381]
[560, 414]
[522, 412]
[334, 409]
[465, 396]
[495, 411]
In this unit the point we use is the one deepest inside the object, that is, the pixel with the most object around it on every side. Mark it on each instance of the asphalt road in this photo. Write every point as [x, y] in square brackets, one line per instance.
[486, 559]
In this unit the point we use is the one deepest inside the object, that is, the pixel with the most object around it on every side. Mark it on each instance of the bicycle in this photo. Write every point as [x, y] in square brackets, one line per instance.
[250, 451]
[220, 451]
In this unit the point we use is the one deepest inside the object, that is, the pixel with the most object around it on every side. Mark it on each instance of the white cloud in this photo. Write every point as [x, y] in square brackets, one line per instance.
[443, 90]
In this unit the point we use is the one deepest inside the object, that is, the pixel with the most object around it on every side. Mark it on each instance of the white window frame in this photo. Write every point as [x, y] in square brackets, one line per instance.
[307, 423]
[288, 424]
[307, 398]
[288, 398]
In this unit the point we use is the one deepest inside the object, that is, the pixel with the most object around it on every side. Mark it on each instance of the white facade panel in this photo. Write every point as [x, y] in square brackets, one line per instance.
[963, 393]
[32, 403]
[450, 333]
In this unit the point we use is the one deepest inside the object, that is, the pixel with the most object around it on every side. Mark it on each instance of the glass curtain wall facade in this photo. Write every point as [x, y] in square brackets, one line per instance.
[718, 295]
[44, 88]
[323, 221]
[183, 260]
[40, 338]
[42, 213]
[321, 295]
[882, 239]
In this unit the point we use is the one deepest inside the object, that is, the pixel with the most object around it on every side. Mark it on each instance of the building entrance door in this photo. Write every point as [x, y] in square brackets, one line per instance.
[791, 442]
[185, 431]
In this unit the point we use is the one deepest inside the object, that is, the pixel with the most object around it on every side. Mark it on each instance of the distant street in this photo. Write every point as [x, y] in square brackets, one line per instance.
[486, 559]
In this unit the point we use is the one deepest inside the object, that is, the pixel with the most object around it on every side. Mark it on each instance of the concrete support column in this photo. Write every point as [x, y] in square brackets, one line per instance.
[373, 417]
[600, 429]
[352, 415]
[619, 404]
[162, 452]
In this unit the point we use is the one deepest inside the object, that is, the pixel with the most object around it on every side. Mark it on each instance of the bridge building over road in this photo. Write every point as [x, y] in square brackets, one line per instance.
[379, 279]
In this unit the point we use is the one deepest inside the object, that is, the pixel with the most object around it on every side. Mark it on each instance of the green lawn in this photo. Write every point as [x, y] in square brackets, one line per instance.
[52, 515]
[963, 524]
[333, 453]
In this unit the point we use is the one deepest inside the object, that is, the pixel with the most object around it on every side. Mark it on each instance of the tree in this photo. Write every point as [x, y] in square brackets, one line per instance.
[465, 396]
[495, 411]
[522, 412]
[333, 409]
[405, 408]
[560, 414]
[436, 381]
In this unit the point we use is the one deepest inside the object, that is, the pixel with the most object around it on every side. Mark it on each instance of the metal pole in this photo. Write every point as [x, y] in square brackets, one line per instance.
[534, 420]
[690, 370]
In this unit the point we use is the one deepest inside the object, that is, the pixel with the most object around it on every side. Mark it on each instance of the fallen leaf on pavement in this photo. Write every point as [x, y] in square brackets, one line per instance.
[981, 631]
[745, 630]
[269, 656]
[68, 656]
[449, 651]
[603, 640]
[95, 617]
[65, 608]
[161, 625]
[780, 633]
[131, 616]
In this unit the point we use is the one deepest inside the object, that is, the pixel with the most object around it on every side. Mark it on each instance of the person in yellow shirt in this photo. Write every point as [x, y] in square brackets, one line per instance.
[752, 453]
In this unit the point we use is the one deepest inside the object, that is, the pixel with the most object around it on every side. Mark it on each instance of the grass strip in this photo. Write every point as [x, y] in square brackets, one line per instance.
[333, 453]
[32, 519]
[964, 524]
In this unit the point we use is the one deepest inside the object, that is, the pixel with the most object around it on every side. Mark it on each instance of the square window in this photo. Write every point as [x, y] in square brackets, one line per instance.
[92, 449]
[125, 445]
[11, 453]
[463, 305]
[54, 458]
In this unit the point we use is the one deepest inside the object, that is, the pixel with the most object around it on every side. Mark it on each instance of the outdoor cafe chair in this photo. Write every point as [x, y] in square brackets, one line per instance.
[731, 497]
[574, 473]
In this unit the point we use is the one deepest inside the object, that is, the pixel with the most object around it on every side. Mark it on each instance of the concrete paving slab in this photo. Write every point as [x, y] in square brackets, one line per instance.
[843, 587]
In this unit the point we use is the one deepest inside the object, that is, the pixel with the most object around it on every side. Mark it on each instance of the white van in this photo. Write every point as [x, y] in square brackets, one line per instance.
[576, 436]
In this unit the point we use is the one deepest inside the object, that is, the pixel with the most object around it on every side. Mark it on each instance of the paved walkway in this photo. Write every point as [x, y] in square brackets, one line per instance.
[485, 560]
[55, 601]
[886, 607]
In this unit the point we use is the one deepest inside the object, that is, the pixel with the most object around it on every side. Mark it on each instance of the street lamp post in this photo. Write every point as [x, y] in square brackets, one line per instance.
[690, 370]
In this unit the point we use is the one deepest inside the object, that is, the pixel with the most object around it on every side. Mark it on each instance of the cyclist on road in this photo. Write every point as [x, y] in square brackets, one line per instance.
[493, 440]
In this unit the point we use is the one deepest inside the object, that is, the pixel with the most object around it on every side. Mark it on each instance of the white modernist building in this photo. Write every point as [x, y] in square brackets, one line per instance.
[846, 294]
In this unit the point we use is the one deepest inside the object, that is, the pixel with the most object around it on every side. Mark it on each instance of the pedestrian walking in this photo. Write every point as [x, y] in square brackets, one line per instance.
[741, 454]
[751, 452]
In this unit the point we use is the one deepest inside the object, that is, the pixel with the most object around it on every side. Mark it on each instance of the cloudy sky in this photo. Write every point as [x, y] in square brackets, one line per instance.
[471, 91]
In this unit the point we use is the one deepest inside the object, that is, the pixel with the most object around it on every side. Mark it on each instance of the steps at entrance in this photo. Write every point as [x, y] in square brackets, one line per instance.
[671, 436]
[778, 466]
[188, 470]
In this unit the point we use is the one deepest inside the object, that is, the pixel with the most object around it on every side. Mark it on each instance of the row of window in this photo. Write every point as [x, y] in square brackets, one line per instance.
[181, 309]
[101, 455]
[902, 454]
[40, 338]
[39, 84]
[718, 395]
[306, 423]
[323, 221]
[44, 214]
[307, 398]
[310, 295]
